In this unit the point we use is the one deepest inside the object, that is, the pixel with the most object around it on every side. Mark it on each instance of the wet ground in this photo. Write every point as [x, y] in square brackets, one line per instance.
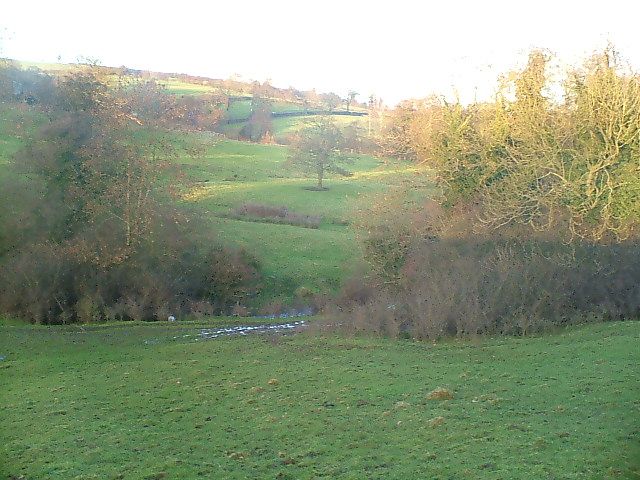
[237, 330]
[208, 333]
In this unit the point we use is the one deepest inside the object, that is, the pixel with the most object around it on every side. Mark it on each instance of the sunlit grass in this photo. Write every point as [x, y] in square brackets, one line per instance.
[180, 87]
[231, 173]
[286, 126]
[291, 257]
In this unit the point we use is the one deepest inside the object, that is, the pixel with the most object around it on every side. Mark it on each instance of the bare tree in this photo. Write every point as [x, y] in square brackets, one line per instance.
[351, 96]
[318, 150]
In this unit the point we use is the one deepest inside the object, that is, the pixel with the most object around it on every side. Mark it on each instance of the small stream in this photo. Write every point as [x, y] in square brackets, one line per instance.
[207, 333]
[241, 330]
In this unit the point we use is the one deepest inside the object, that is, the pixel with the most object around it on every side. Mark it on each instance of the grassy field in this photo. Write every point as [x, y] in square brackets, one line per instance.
[242, 108]
[17, 126]
[183, 88]
[231, 173]
[283, 126]
[288, 125]
[158, 401]
[133, 402]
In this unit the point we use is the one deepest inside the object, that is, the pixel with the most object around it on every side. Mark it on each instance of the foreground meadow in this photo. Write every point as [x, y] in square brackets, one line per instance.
[144, 401]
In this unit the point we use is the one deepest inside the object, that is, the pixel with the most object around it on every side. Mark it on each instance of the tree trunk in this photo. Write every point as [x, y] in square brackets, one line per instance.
[320, 176]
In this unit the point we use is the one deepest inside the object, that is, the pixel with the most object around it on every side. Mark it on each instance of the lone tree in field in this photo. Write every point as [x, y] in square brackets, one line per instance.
[317, 150]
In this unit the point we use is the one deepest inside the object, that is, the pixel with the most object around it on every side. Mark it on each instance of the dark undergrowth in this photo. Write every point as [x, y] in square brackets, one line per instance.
[488, 286]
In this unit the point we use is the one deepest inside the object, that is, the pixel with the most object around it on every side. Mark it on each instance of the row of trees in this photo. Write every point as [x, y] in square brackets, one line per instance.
[146, 102]
[232, 87]
[309, 99]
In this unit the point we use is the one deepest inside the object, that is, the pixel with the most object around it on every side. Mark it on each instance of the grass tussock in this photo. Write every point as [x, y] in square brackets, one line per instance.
[440, 393]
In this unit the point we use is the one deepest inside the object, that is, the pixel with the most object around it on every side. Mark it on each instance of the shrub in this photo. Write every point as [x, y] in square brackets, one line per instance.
[500, 286]
[45, 284]
[567, 166]
[273, 214]
[435, 272]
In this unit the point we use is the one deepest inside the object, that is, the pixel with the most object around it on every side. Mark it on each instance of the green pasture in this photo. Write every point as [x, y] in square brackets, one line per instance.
[238, 109]
[16, 128]
[179, 87]
[293, 259]
[285, 126]
[242, 108]
[231, 173]
[133, 402]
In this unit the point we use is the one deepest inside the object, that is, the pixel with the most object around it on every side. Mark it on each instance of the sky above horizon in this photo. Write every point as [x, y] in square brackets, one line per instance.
[395, 50]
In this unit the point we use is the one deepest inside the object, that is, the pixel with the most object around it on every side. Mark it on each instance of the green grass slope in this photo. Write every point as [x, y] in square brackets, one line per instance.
[283, 127]
[231, 173]
[110, 402]
[239, 109]
[17, 125]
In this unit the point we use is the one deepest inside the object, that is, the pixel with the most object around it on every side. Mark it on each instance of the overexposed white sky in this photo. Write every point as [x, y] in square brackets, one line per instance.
[395, 49]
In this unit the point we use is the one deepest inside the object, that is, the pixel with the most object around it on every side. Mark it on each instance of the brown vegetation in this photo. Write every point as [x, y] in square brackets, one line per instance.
[571, 167]
[538, 221]
[440, 393]
[273, 214]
